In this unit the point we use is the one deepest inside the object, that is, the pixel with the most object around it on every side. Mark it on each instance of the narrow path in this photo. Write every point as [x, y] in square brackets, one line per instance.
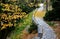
[43, 27]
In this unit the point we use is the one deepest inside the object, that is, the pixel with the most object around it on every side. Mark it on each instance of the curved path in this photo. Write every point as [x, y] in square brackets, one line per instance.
[43, 27]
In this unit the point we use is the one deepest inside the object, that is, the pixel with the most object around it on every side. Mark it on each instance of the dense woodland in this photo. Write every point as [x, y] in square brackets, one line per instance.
[16, 15]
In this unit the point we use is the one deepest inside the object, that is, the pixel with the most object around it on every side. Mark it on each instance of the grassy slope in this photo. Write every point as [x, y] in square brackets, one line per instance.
[21, 26]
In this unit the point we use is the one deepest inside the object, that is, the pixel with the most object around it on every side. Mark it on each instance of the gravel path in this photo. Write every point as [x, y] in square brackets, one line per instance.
[43, 27]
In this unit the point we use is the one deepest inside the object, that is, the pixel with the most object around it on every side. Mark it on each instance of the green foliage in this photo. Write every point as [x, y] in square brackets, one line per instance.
[26, 8]
[51, 23]
[9, 19]
[10, 15]
[54, 14]
[54, 4]
[21, 26]
[48, 16]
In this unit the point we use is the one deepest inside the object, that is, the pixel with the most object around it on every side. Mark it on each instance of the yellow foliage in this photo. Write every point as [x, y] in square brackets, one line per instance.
[10, 15]
[40, 14]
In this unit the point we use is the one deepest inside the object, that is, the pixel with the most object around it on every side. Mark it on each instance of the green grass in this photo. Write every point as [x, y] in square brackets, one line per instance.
[19, 28]
[51, 23]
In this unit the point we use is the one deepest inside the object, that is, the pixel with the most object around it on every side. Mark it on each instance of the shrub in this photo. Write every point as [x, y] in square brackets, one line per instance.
[9, 18]
[51, 23]
[53, 15]
[17, 33]
[32, 28]
[10, 15]
[26, 8]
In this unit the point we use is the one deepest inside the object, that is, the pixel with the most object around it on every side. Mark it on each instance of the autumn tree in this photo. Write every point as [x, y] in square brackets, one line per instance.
[10, 15]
